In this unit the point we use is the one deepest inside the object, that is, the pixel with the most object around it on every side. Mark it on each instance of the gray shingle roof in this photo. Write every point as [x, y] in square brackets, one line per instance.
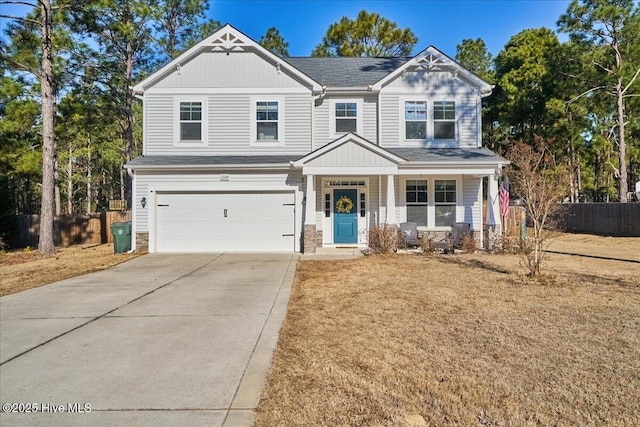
[427, 155]
[346, 71]
[151, 161]
[454, 155]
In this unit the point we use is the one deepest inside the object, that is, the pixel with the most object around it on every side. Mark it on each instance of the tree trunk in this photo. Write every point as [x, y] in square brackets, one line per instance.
[623, 186]
[56, 185]
[70, 182]
[45, 244]
[89, 177]
[129, 120]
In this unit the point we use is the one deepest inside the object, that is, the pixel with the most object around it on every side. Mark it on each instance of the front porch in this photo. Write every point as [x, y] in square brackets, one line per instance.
[352, 185]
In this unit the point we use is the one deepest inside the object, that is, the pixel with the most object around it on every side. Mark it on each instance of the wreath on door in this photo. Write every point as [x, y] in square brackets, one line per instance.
[344, 205]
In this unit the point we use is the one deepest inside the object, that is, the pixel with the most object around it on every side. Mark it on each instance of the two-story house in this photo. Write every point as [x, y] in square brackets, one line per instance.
[247, 151]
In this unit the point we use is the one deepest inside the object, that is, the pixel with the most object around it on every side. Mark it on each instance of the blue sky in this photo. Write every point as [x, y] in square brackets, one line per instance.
[443, 24]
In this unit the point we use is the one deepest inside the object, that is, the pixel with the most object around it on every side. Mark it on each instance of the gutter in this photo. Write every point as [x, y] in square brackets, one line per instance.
[130, 168]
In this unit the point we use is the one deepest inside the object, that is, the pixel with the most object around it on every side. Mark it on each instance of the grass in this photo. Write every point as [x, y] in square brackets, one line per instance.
[460, 340]
[21, 270]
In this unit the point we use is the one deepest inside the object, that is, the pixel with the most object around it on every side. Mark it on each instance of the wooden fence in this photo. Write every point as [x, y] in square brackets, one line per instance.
[70, 229]
[609, 219]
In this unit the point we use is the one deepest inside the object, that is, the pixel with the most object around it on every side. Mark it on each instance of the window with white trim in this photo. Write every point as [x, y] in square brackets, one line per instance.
[445, 202]
[415, 119]
[346, 117]
[190, 121]
[444, 120]
[267, 121]
[417, 200]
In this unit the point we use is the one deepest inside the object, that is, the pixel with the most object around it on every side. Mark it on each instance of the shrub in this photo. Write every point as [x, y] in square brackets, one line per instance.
[427, 243]
[383, 239]
[468, 244]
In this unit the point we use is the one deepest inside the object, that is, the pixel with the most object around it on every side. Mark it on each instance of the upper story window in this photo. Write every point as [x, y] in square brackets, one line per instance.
[191, 121]
[346, 117]
[415, 117]
[267, 120]
[444, 120]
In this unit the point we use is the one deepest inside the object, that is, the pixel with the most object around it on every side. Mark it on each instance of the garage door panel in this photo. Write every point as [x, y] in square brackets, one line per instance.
[214, 222]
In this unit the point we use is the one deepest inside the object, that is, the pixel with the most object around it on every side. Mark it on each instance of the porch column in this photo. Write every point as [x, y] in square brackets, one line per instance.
[391, 201]
[493, 213]
[310, 216]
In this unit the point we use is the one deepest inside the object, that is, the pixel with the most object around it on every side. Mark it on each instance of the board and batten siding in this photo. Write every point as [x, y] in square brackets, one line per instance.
[351, 155]
[233, 70]
[472, 202]
[228, 125]
[207, 182]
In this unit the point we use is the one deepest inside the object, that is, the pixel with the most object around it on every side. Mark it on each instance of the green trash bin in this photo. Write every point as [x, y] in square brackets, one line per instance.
[121, 236]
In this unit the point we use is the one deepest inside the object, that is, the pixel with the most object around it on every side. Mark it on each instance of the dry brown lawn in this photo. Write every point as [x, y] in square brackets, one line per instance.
[20, 271]
[461, 340]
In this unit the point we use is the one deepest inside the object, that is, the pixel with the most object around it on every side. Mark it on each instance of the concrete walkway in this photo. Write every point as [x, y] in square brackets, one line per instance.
[160, 340]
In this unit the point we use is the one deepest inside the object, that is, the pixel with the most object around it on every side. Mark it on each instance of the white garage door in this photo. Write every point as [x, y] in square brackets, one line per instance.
[213, 222]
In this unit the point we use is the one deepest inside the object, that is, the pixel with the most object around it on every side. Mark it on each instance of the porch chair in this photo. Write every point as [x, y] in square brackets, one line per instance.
[455, 237]
[409, 231]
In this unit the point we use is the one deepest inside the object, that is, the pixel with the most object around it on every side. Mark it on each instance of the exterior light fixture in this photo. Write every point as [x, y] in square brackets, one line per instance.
[143, 202]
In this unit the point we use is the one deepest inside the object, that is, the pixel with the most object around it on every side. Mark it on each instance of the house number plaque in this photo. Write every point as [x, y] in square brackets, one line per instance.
[224, 177]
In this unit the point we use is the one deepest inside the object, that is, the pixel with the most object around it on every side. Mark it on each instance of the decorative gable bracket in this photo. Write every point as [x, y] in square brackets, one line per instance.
[228, 42]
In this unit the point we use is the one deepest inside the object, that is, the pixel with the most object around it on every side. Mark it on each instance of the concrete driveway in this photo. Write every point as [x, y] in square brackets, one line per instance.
[160, 340]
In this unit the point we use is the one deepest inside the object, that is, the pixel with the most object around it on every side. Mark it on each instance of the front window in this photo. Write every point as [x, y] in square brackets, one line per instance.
[346, 117]
[190, 121]
[267, 120]
[415, 118]
[417, 201]
[445, 202]
[444, 119]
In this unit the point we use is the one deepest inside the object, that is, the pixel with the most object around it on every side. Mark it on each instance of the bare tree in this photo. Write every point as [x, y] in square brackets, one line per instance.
[537, 179]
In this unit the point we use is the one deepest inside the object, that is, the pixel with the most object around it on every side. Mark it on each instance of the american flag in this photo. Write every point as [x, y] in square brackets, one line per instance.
[504, 198]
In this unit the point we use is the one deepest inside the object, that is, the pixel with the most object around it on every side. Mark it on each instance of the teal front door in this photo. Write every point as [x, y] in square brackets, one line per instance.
[345, 216]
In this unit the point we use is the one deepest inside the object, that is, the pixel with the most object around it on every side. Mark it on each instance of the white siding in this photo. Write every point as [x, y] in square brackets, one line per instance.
[159, 116]
[472, 201]
[430, 86]
[370, 119]
[322, 119]
[221, 70]
[431, 83]
[467, 118]
[229, 126]
[389, 120]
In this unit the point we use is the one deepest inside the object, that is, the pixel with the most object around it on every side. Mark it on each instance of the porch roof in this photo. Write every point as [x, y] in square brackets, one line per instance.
[188, 162]
[448, 155]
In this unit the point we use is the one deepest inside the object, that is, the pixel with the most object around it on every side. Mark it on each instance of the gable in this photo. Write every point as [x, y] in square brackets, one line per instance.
[432, 66]
[227, 41]
[351, 155]
[213, 69]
